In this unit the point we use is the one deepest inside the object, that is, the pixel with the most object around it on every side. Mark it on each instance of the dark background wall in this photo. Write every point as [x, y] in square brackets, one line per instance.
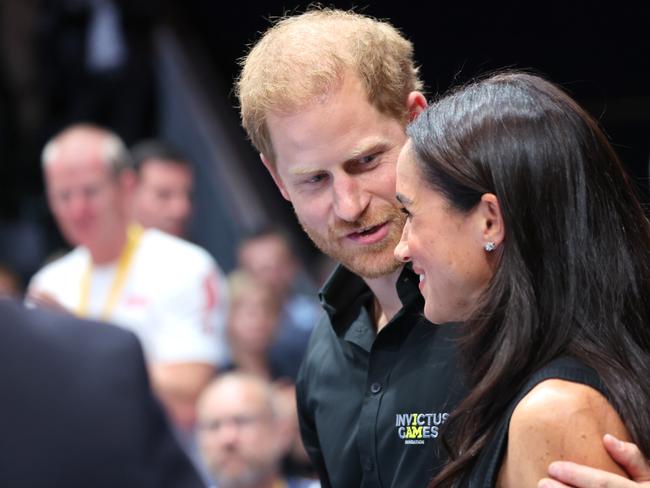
[599, 51]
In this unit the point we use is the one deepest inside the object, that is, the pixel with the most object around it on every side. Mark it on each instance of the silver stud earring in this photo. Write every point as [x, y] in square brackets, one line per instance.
[489, 246]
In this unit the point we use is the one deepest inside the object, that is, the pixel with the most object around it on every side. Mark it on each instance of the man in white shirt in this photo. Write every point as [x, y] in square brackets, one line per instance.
[169, 292]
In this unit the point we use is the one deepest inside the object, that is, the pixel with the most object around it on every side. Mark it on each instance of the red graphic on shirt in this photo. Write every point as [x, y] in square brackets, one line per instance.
[211, 291]
[136, 301]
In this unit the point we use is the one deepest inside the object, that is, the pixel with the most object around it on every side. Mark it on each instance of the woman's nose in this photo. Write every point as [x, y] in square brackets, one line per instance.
[401, 251]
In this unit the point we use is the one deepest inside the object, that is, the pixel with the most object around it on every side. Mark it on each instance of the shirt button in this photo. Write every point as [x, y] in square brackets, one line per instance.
[367, 465]
[375, 388]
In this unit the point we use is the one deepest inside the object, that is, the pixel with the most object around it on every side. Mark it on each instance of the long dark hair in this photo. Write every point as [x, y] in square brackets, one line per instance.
[574, 270]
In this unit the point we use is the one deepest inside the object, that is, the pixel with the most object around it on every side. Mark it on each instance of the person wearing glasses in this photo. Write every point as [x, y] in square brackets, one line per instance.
[241, 435]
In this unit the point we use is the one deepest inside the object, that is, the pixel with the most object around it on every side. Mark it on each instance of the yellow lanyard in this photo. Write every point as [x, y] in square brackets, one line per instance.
[134, 235]
[280, 484]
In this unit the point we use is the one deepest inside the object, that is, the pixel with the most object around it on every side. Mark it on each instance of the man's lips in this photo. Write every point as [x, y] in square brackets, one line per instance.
[370, 235]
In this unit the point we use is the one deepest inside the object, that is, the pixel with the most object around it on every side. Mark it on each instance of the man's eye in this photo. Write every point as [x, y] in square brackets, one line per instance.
[405, 212]
[62, 197]
[163, 195]
[312, 180]
[91, 191]
[367, 159]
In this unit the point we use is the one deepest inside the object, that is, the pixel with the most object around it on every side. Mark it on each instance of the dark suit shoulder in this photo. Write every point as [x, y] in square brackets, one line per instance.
[60, 331]
[78, 409]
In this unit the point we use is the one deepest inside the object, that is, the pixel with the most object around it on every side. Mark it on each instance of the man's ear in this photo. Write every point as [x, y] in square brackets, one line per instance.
[415, 104]
[492, 225]
[276, 178]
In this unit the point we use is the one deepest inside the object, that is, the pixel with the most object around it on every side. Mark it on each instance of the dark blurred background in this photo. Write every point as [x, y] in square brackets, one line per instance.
[170, 70]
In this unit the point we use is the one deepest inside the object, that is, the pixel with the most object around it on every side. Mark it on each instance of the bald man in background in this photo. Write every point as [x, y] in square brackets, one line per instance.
[169, 292]
[241, 434]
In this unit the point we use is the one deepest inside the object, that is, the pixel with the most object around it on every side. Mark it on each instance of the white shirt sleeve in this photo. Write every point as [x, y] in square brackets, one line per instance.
[191, 319]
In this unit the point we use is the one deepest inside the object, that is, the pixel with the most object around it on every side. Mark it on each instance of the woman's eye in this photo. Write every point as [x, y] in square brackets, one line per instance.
[405, 212]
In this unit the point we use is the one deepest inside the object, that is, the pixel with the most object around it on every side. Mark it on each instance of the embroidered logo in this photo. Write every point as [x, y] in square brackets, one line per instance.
[416, 428]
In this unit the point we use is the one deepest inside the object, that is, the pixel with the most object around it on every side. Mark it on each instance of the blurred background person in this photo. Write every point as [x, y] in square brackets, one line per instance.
[77, 410]
[296, 460]
[163, 192]
[10, 282]
[252, 328]
[241, 438]
[266, 255]
[96, 63]
[169, 292]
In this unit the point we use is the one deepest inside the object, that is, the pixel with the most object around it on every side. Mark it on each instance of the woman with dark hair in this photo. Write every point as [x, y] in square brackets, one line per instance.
[523, 225]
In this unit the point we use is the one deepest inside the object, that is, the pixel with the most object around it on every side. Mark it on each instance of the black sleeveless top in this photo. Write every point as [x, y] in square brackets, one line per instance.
[484, 473]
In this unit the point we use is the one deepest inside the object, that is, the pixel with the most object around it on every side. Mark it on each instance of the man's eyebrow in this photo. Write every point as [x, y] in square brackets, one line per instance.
[402, 199]
[373, 145]
[302, 171]
[376, 144]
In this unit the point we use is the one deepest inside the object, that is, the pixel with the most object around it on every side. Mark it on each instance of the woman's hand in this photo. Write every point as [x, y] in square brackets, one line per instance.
[571, 475]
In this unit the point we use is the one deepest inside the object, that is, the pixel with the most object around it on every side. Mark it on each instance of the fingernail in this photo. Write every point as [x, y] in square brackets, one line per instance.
[618, 444]
[554, 470]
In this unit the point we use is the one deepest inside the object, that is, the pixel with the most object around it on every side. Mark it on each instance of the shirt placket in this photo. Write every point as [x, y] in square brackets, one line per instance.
[381, 360]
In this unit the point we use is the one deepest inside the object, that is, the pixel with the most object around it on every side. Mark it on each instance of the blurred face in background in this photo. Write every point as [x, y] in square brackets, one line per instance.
[238, 433]
[10, 285]
[253, 320]
[163, 196]
[269, 259]
[88, 200]
[287, 413]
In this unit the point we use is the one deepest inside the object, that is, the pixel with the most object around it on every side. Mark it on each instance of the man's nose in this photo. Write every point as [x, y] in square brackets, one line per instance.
[229, 433]
[77, 206]
[350, 200]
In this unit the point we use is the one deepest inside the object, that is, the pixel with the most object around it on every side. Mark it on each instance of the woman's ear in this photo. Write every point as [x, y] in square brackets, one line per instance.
[493, 228]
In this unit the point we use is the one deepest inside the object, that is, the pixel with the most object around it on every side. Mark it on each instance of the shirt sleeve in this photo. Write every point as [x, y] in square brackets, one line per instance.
[58, 281]
[191, 319]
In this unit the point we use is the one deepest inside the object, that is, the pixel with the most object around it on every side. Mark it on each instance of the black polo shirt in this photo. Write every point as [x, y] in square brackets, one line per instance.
[371, 406]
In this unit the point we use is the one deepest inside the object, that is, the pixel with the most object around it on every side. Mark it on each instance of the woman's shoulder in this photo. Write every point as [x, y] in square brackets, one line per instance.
[557, 400]
[558, 419]
[564, 412]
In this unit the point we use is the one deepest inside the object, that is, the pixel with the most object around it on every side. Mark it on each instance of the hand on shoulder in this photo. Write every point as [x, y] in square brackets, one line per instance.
[571, 475]
[38, 298]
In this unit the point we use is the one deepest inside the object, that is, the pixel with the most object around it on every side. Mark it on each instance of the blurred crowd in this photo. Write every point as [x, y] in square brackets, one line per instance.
[222, 351]
[77, 93]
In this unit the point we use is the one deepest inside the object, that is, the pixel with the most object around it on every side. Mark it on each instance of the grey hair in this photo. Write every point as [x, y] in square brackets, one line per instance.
[115, 153]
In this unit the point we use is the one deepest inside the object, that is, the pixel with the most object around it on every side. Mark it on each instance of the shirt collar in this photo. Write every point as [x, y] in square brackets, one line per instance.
[341, 290]
[344, 295]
